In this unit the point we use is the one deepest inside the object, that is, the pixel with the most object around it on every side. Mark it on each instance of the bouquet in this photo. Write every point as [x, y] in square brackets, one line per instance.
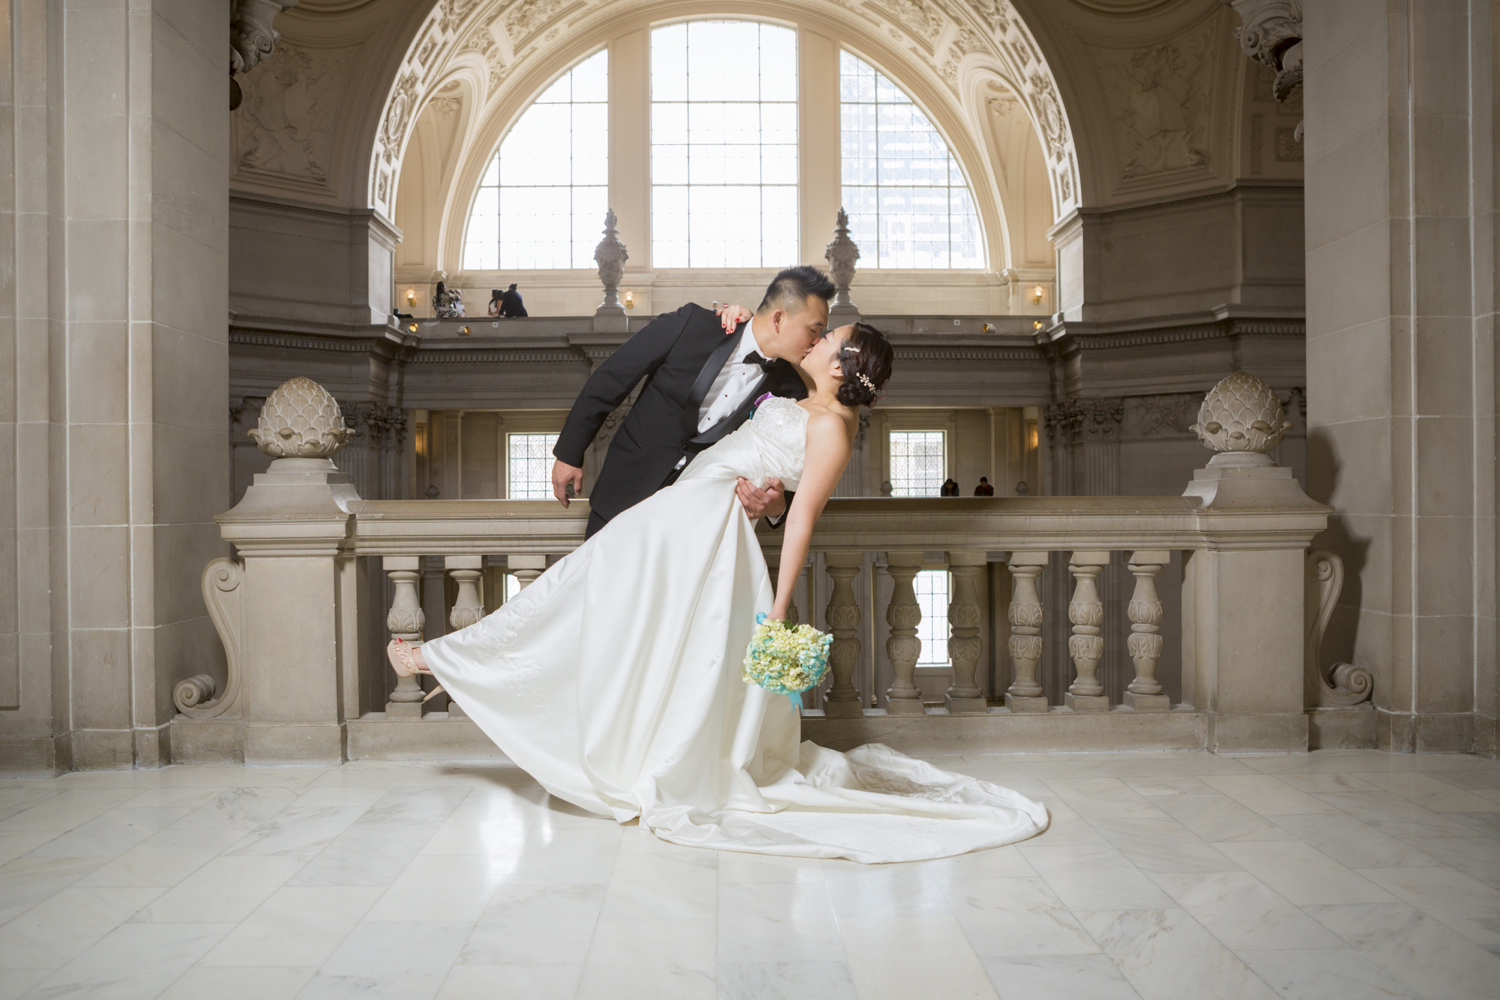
[786, 660]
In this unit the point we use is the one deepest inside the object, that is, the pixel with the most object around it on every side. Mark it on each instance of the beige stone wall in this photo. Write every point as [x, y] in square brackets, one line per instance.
[1401, 376]
[114, 372]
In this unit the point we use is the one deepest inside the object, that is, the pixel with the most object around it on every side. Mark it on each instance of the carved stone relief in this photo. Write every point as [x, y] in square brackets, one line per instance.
[1161, 416]
[286, 124]
[1159, 99]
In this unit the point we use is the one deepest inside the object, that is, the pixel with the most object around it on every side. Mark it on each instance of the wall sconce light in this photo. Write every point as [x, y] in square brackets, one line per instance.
[1036, 324]
[988, 328]
[411, 296]
[463, 331]
[411, 328]
[1036, 295]
[629, 299]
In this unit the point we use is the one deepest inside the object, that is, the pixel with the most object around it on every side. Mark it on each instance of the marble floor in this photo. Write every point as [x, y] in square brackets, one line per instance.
[1338, 874]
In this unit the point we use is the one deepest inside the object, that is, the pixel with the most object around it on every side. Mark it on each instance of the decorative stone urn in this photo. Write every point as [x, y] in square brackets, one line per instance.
[300, 420]
[842, 253]
[1241, 416]
[611, 256]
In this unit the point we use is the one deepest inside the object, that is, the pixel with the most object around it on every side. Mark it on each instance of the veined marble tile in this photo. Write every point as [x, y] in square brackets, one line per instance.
[57, 929]
[562, 861]
[1165, 953]
[1094, 878]
[303, 828]
[1244, 913]
[1169, 786]
[735, 866]
[1430, 791]
[1083, 976]
[16, 983]
[810, 980]
[23, 794]
[263, 983]
[377, 847]
[162, 859]
[65, 810]
[111, 833]
[484, 825]
[1100, 798]
[25, 882]
[1067, 828]
[1161, 844]
[492, 982]
[885, 890]
[400, 961]
[663, 887]
[1305, 875]
[196, 776]
[440, 888]
[1430, 959]
[1016, 916]
[1353, 843]
[1483, 823]
[883, 952]
[768, 922]
[1319, 783]
[298, 926]
[651, 960]
[13, 845]
[997, 862]
[1476, 857]
[1465, 904]
[226, 890]
[1267, 794]
[1217, 818]
[1319, 975]
[1397, 816]
[239, 808]
[548, 925]
[132, 962]
[168, 796]
[1333, 762]
[1477, 782]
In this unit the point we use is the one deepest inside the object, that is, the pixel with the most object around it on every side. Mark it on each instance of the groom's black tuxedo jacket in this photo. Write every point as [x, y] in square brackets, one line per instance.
[678, 354]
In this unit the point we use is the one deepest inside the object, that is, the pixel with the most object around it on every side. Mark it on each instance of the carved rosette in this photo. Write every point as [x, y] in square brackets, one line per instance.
[611, 256]
[841, 254]
[1241, 414]
[300, 420]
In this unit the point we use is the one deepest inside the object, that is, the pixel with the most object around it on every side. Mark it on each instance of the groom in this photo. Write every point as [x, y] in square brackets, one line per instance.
[700, 386]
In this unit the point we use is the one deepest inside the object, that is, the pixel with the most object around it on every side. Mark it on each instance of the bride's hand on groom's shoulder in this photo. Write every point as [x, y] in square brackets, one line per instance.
[768, 502]
[732, 316]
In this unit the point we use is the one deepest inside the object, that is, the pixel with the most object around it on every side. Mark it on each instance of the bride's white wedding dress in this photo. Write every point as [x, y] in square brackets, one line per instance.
[614, 680]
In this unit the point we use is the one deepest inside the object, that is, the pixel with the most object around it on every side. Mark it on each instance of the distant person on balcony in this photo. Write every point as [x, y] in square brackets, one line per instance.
[495, 297]
[511, 306]
[984, 489]
[447, 303]
[615, 679]
[950, 488]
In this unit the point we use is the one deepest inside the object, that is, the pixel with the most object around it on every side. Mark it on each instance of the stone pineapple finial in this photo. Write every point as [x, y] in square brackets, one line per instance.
[1241, 414]
[300, 420]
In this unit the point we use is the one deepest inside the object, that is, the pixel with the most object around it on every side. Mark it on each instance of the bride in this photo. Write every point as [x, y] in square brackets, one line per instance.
[614, 678]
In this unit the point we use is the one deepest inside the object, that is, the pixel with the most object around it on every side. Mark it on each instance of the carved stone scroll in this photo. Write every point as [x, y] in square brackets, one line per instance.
[224, 594]
[1345, 684]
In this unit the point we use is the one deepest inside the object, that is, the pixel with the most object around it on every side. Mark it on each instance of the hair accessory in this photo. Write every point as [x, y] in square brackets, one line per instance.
[851, 350]
[865, 380]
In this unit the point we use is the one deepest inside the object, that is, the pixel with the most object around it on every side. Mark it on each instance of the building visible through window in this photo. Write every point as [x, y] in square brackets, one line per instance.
[908, 202]
[931, 586]
[918, 463]
[528, 474]
[724, 145]
[542, 201]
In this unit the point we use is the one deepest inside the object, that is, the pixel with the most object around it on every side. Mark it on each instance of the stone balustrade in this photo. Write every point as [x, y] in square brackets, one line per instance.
[323, 578]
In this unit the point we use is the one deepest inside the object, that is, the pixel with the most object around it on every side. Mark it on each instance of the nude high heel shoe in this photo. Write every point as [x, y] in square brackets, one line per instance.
[399, 652]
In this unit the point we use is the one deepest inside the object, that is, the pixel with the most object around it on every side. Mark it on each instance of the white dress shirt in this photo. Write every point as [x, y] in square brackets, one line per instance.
[733, 384]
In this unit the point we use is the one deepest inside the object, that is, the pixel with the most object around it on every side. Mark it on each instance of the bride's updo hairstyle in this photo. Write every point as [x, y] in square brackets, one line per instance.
[866, 359]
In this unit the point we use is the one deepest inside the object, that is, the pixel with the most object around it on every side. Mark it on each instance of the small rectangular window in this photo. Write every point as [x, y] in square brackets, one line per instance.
[931, 586]
[528, 474]
[919, 463]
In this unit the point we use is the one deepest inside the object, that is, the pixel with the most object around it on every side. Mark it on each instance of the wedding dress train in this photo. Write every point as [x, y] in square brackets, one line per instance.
[614, 680]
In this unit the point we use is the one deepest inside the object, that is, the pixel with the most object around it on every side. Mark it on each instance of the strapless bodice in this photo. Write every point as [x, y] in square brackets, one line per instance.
[771, 444]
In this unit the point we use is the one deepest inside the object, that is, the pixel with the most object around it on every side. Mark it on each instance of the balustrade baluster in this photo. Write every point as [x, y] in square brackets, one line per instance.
[1086, 612]
[1025, 692]
[1145, 642]
[405, 621]
[903, 647]
[964, 645]
[468, 606]
[526, 568]
[842, 614]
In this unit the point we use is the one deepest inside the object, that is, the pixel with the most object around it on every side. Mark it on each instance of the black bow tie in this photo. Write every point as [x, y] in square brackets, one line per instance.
[754, 358]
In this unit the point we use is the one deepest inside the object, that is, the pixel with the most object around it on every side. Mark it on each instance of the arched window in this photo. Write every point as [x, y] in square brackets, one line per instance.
[908, 202]
[724, 145]
[542, 201]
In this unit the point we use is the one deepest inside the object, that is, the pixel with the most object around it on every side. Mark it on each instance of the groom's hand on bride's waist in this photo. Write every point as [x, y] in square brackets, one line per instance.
[563, 476]
[768, 502]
